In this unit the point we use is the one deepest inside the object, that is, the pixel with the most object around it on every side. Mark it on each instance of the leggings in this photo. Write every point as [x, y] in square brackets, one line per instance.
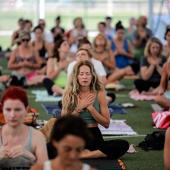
[112, 148]
[142, 85]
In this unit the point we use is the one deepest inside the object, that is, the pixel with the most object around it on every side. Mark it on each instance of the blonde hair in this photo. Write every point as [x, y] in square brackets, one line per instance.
[73, 87]
[105, 38]
[152, 40]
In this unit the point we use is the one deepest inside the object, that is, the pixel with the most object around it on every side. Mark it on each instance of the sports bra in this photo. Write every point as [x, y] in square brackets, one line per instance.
[47, 166]
[19, 58]
[42, 51]
[86, 115]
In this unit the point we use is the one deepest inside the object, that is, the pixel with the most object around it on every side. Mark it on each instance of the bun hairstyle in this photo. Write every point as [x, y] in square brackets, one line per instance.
[58, 18]
[167, 30]
[119, 26]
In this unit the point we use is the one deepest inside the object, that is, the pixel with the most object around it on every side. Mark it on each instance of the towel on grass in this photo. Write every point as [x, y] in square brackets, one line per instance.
[117, 127]
[42, 96]
[134, 94]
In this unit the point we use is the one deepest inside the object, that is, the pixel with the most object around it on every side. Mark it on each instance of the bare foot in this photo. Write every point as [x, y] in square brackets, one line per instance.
[4, 78]
[92, 154]
[151, 92]
[84, 153]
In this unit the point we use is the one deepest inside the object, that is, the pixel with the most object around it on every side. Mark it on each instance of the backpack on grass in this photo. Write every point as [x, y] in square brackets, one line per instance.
[154, 141]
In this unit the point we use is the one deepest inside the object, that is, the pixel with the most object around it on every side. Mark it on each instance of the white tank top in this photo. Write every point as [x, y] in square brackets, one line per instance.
[47, 166]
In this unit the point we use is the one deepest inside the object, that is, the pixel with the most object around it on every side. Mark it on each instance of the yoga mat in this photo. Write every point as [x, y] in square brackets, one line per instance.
[49, 108]
[131, 77]
[117, 127]
[104, 164]
[116, 109]
[42, 96]
[156, 107]
[139, 96]
[113, 108]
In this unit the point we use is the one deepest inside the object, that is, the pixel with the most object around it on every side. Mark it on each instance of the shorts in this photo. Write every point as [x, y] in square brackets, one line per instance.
[31, 75]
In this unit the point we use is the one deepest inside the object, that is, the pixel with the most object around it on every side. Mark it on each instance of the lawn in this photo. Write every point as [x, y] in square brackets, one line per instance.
[138, 118]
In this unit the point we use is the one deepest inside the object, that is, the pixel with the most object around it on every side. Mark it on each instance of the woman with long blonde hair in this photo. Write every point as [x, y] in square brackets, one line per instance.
[84, 96]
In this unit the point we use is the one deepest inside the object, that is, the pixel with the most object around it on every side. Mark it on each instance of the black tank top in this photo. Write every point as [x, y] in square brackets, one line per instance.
[41, 51]
[17, 36]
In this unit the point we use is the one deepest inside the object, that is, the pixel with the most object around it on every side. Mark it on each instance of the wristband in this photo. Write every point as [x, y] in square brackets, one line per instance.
[78, 110]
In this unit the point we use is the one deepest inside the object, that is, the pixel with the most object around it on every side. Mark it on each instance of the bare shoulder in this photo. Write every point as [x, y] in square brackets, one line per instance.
[15, 33]
[51, 60]
[37, 167]
[101, 95]
[38, 135]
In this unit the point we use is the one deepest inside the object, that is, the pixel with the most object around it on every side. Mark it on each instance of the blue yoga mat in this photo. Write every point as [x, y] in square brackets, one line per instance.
[116, 109]
[54, 109]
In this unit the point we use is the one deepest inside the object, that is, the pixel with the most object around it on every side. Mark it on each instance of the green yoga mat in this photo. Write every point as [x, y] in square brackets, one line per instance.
[103, 164]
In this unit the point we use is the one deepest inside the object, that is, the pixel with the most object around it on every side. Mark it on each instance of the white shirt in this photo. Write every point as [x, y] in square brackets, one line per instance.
[47, 36]
[47, 166]
[98, 66]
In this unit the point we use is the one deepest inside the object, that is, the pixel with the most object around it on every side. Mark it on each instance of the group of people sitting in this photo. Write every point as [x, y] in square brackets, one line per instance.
[36, 60]
[79, 71]
[73, 136]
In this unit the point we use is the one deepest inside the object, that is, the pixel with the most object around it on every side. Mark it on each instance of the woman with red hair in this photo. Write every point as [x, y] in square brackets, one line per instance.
[20, 146]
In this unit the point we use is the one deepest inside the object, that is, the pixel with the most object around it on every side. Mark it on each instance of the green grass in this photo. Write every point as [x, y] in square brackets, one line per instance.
[138, 118]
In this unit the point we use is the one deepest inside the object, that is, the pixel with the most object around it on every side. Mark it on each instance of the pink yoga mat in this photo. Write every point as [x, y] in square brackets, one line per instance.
[134, 94]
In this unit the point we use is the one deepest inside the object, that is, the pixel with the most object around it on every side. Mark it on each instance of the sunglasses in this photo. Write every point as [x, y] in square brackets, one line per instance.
[23, 40]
